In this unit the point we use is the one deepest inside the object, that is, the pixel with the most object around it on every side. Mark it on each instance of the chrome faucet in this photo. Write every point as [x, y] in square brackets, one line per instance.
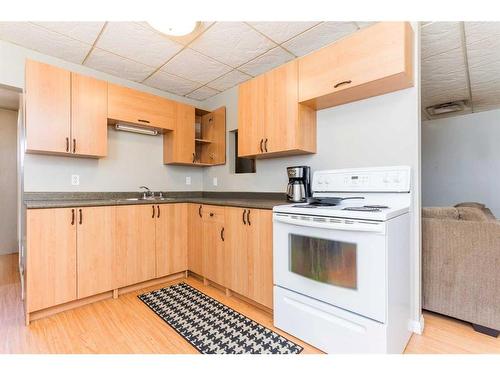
[148, 193]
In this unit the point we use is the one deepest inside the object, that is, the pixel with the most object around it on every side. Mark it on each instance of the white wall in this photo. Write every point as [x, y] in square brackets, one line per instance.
[8, 181]
[138, 156]
[461, 160]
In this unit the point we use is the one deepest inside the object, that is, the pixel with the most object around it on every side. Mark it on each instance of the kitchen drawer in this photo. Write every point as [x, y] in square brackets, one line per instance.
[213, 213]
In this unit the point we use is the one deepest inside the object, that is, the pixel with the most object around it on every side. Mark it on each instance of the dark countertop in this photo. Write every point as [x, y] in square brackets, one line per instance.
[233, 199]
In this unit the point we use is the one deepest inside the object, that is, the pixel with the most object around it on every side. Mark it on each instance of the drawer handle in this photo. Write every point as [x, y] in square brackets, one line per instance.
[261, 141]
[72, 216]
[222, 234]
[244, 221]
[144, 121]
[67, 144]
[342, 83]
[248, 218]
[199, 210]
[211, 214]
[265, 145]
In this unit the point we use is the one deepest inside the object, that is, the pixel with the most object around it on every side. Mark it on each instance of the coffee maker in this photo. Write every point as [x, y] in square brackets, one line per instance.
[299, 183]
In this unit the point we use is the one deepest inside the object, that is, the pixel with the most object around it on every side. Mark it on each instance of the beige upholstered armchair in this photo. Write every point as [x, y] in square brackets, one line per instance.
[461, 264]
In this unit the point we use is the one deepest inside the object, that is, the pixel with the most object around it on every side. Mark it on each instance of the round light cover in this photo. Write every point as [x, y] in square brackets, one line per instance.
[174, 28]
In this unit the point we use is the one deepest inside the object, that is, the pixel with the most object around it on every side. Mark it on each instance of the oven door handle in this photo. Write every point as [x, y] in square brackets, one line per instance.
[347, 225]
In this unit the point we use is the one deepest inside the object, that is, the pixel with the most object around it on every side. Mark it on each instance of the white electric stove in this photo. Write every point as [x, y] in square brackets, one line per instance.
[342, 262]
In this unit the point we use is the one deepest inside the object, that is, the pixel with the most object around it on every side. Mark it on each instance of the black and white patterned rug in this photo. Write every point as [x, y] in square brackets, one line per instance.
[212, 327]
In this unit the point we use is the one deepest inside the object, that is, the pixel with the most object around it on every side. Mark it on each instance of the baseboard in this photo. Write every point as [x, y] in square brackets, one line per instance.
[417, 326]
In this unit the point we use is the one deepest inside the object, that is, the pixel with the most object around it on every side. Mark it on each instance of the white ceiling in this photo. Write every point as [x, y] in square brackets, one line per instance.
[215, 58]
[461, 61]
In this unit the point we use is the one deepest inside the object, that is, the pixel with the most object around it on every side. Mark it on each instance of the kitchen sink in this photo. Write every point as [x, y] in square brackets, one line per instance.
[147, 199]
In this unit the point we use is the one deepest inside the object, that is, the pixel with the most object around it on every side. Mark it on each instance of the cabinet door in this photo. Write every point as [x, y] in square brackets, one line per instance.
[137, 107]
[238, 243]
[251, 101]
[89, 116]
[95, 249]
[372, 61]
[50, 257]
[179, 144]
[195, 238]
[281, 109]
[171, 238]
[213, 244]
[48, 108]
[214, 125]
[135, 244]
[261, 255]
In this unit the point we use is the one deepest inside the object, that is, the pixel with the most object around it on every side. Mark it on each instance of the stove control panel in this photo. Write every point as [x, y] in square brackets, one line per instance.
[377, 179]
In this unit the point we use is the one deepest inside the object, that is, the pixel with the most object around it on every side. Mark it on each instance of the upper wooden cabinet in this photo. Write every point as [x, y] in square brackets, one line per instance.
[137, 107]
[198, 138]
[271, 122]
[66, 113]
[370, 62]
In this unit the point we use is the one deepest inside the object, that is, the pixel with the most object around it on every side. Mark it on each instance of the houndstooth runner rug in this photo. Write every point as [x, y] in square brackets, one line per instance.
[212, 327]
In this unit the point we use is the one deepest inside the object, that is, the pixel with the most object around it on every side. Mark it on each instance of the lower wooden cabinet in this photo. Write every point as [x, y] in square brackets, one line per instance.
[95, 249]
[195, 238]
[50, 257]
[213, 233]
[135, 244]
[248, 253]
[171, 238]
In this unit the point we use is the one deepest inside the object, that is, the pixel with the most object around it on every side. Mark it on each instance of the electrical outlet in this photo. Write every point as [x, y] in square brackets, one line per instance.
[188, 180]
[75, 179]
[214, 181]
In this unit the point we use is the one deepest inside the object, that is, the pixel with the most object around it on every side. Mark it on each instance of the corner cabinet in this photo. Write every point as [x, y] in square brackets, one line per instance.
[370, 62]
[271, 122]
[198, 137]
[66, 113]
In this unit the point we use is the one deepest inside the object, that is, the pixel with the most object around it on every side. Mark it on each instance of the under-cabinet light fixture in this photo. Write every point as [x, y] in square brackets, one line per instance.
[135, 129]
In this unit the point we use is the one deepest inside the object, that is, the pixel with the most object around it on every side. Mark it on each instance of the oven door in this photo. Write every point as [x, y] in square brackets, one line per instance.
[338, 261]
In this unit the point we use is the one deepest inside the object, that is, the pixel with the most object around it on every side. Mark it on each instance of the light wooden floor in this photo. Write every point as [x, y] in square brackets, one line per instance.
[126, 325]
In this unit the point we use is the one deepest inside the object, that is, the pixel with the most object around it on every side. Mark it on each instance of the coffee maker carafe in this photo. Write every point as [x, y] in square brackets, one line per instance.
[299, 183]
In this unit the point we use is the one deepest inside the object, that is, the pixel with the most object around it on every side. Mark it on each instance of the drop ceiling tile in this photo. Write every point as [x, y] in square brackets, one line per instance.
[45, 41]
[229, 80]
[168, 82]
[86, 32]
[233, 43]
[196, 67]
[484, 53]
[118, 66]
[444, 78]
[136, 42]
[476, 31]
[203, 93]
[439, 37]
[282, 31]
[267, 61]
[319, 36]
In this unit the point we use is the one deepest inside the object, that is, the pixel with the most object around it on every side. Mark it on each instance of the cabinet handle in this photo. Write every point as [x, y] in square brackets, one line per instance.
[248, 218]
[74, 145]
[144, 121]
[194, 157]
[199, 210]
[158, 207]
[222, 234]
[81, 216]
[211, 214]
[153, 212]
[244, 221]
[67, 144]
[261, 141]
[265, 145]
[72, 216]
[210, 119]
[342, 83]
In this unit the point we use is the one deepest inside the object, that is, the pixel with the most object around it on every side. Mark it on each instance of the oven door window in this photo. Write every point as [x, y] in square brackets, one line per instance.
[326, 261]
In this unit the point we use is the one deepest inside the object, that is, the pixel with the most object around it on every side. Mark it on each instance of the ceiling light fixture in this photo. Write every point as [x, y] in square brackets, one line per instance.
[174, 28]
[445, 108]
